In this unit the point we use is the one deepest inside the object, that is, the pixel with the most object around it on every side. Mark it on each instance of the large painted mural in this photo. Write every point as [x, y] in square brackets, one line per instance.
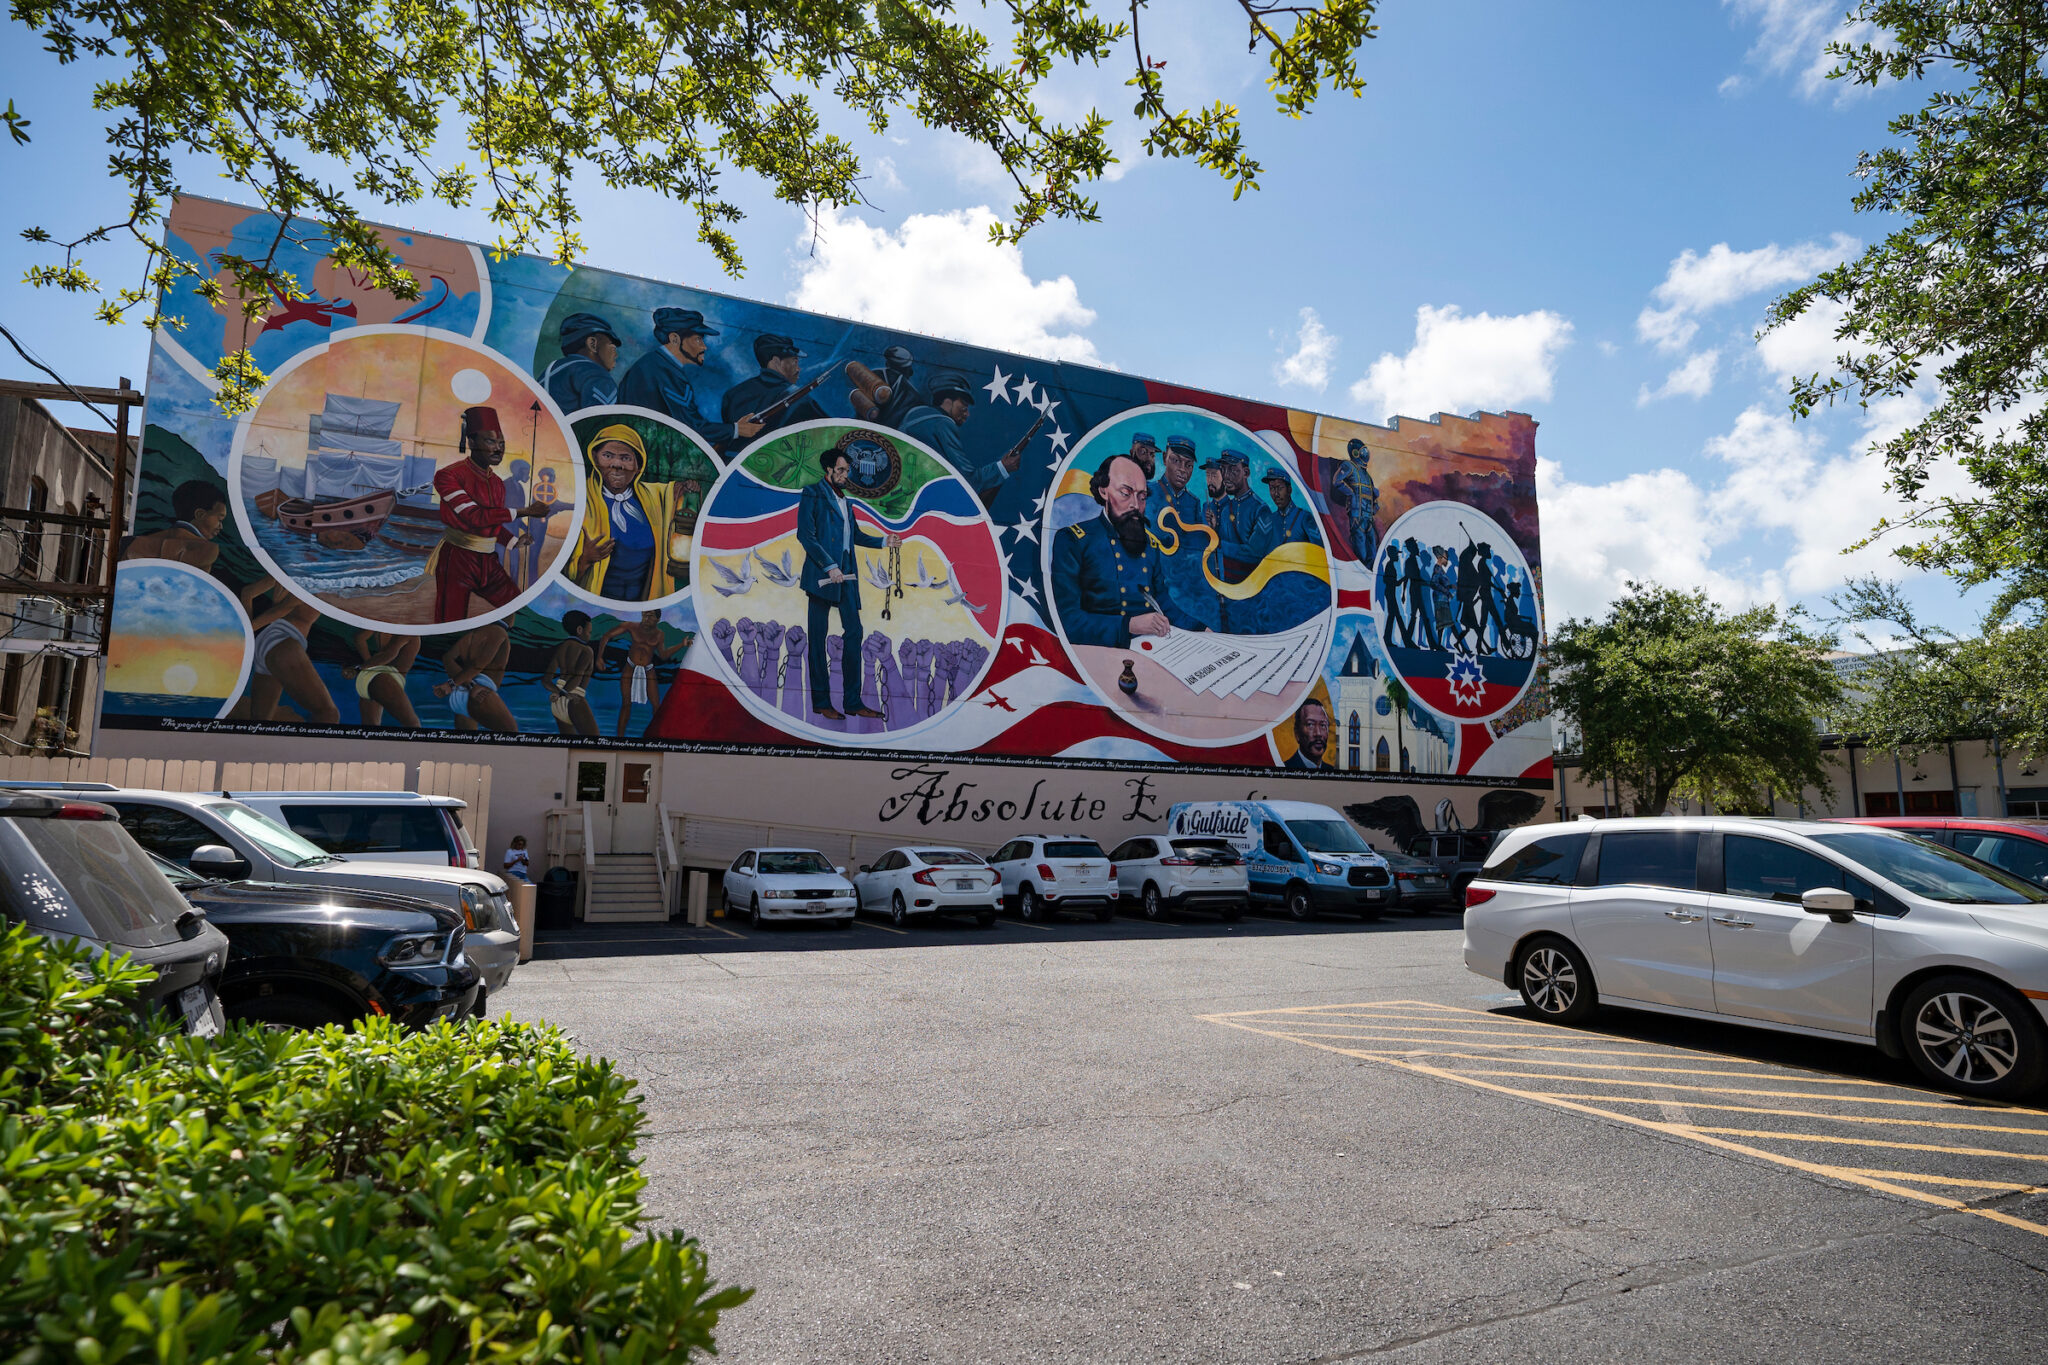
[559, 505]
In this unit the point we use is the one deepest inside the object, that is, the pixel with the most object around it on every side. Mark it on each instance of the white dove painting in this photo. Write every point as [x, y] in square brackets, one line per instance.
[735, 583]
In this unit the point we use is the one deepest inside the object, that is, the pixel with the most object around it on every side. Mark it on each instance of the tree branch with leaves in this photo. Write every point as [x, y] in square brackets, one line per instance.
[671, 96]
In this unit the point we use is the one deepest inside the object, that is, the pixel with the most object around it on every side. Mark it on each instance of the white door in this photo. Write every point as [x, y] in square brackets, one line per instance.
[626, 788]
[1643, 926]
[1773, 960]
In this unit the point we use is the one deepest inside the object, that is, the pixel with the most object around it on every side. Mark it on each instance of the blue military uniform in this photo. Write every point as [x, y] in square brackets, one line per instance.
[1291, 598]
[1241, 522]
[659, 381]
[930, 424]
[1098, 585]
[576, 381]
[764, 390]
[1184, 577]
[1353, 489]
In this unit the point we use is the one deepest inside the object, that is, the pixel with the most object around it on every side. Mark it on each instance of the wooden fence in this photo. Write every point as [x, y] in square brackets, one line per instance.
[470, 782]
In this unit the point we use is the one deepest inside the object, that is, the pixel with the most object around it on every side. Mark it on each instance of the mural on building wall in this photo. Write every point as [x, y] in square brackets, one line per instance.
[551, 503]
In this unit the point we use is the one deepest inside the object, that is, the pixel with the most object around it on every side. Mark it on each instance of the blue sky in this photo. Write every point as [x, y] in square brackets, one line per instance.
[1574, 210]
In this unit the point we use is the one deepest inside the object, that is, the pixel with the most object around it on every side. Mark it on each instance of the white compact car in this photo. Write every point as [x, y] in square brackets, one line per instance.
[217, 837]
[784, 884]
[1837, 931]
[929, 881]
[392, 827]
[1165, 873]
[1044, 874]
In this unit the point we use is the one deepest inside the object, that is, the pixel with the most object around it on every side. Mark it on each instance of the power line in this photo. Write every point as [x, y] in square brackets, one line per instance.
[22, 351]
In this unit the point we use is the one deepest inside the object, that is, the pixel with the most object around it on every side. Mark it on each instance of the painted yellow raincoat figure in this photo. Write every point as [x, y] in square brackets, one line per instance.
[631, 548]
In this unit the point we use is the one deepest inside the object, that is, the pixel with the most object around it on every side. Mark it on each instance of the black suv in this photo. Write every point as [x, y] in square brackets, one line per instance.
[68, 870]
[304, 956]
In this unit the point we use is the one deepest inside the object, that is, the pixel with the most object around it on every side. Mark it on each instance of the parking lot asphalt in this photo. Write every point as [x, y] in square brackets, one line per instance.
[1272, 1142]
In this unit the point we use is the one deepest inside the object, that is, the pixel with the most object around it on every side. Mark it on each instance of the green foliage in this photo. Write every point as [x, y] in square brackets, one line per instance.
[1675, 697]
[335, 1198]
[664, 95]
[1935, 686]
[1955, 291]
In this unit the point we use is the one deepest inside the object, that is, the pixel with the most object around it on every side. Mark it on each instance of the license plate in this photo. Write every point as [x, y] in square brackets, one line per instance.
[814, 905]
[198, 1012]
[964, 886]
[1372, 895]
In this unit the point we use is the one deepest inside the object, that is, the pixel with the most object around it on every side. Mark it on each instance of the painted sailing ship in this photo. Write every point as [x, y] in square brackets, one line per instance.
[354, 475]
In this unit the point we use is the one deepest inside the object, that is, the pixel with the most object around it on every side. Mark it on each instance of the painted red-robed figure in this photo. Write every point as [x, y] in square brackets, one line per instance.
[475, 522]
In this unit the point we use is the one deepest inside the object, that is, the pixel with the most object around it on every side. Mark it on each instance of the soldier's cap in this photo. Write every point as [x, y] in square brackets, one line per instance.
[1231, 457]
[1143, 438]
[578, 328]
[769, 346]
[687, 321]
[897, 358]
[1182, 444]
[1274, 476]
[1212, 464]
[951, 384]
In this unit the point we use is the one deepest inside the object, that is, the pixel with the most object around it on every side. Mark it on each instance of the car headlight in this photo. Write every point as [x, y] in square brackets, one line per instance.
[782, 895]
[1330, 869]
[476, 908]
[414, 950]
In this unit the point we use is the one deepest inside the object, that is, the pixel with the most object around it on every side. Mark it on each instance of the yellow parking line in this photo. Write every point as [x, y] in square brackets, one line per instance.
[1808, 1113]
[1678, 1085]
[1874, 1142]
[1449, 1034]
[1665, 1070]
[860, 923]
[1946, 1180]
[1674, 1130]
[1516, 1047]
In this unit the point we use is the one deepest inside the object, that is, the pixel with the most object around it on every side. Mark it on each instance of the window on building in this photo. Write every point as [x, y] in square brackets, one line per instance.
[1406, 766]
[1354, 735]
[1383, 756]
[10, 687]
[32, 531]
[1942, 802]
[2026, 801]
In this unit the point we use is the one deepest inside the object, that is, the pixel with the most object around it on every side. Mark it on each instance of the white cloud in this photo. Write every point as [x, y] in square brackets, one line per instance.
[1315, 348]
[1459, 363]
[1693, 379]
[940, 274]
[1806, 345]
[1650, 526]
[1697, 284]
[884, 169]
[1792, 36]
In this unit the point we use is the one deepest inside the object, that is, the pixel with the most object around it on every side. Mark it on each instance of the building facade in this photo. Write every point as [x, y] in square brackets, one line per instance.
[625, 536]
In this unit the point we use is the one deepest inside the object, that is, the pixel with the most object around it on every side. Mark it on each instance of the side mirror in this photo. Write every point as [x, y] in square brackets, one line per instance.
[867, 867]
[840, 870]
[1839, 906]
[218, 860]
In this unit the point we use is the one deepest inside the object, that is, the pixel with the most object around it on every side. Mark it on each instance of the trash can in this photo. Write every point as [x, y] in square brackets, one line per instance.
[555, 900]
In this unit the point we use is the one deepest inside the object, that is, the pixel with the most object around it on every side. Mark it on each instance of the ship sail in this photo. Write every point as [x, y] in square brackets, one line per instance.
[350, 452]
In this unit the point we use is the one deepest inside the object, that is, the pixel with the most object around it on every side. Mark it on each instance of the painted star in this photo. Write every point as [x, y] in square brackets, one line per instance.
[1038, 507]
[1026, 530]
[1045, 404]
[998, 389]
[1025, 590]
[1025, 388]
[1059, 444]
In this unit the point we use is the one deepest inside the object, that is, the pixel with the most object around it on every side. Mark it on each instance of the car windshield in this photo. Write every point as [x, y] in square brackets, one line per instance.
[1074, 848]
[1328, 836]
[782, 864]
[948, 857]
[1930, 870]
[268, 835]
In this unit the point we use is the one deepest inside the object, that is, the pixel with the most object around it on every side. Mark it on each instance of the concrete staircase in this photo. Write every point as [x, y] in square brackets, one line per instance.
[623, 888]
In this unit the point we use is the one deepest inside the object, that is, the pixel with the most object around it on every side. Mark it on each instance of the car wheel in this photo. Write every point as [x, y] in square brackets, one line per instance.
[1030, 908]
[986, 920]
[898, 916]
[1556, 981]
[286, 1012]
[1970, 1034]
[1299, 908]
[1153, 909]
[754, 913]
[1234, 914]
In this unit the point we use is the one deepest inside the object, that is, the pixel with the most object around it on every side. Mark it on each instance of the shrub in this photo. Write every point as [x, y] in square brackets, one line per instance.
[365, 1197]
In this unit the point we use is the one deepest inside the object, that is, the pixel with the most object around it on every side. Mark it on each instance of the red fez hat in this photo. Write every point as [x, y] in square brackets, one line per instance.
[481, 422]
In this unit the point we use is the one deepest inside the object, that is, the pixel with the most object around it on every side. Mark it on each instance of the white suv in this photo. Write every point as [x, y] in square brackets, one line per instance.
[217, 837]
[1166, 873]
[392, 827]
[1044, 874]
[1837, 931]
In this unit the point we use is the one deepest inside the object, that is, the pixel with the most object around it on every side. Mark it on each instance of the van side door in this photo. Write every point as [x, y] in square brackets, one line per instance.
[1643, 921]
[1772, 959]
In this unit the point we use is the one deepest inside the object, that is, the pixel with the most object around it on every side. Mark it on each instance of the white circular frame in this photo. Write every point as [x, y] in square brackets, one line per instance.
[234, 604]
[1262, 730]
[1428, 511]
[236, 502]
[682, 594]
[782, 720]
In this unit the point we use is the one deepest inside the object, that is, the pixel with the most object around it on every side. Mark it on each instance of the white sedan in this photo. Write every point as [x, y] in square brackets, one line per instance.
[929, 881]
[1166, 873]
[784, 884]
